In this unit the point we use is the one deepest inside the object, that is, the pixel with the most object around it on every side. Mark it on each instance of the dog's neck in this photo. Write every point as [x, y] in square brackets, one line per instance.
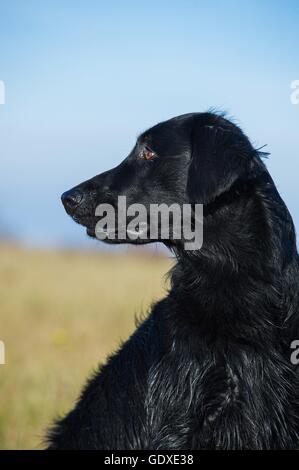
[239, 283]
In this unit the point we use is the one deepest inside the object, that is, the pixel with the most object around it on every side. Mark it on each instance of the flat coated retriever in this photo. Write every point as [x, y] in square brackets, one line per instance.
[210, 367]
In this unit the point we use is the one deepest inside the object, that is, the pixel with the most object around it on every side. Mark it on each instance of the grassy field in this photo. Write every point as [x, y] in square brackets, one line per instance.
[61, 314]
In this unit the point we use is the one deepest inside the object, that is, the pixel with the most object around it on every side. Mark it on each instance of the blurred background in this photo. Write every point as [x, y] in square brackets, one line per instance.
[82, 80]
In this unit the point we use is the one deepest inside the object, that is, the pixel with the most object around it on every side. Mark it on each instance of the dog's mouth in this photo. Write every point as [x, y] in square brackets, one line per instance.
[105, 234]
[119, 234]
[87, 221]
[126, 232]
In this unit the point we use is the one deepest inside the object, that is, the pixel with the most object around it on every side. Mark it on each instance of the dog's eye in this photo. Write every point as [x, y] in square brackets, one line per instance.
[148, 154]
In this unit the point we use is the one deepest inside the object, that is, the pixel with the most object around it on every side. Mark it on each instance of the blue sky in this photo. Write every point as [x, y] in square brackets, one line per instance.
[84, 78]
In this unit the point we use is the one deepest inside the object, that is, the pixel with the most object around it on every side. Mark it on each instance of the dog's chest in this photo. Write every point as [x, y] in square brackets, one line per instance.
[217, 402]
[187, 398]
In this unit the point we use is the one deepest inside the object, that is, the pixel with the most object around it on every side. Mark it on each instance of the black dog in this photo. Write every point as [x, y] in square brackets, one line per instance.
[210, 368]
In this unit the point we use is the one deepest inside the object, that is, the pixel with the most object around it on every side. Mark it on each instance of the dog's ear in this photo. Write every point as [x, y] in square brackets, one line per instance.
[219, 157]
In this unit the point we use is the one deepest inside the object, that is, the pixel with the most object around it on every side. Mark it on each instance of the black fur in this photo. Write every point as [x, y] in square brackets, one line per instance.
[210, 367]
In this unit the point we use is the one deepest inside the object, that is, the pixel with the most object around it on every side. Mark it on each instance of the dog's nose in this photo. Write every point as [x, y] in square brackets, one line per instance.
[72, 199]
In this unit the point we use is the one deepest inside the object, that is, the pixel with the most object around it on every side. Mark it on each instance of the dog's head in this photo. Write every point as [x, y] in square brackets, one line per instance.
[190, 159]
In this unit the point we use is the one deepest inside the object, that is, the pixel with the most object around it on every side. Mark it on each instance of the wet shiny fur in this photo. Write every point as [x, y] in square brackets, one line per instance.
[210, 367]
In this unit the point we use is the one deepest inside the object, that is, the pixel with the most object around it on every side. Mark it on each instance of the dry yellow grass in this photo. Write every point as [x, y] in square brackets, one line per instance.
[62, 313]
